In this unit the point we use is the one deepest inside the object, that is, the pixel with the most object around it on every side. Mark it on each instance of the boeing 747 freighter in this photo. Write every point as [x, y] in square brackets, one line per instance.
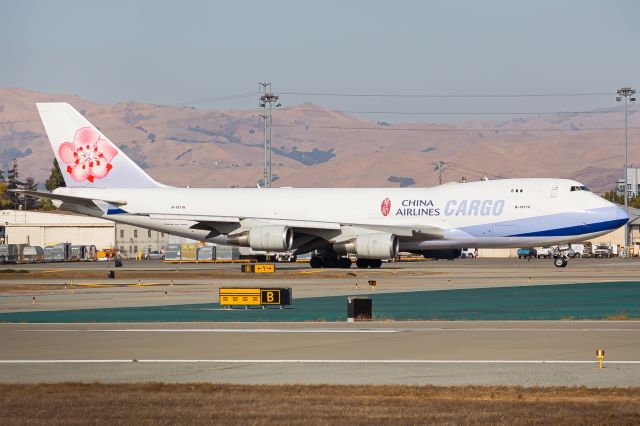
[371, 224]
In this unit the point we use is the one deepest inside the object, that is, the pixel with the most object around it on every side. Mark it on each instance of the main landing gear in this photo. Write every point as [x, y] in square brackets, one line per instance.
[332, 260]
[329, 261]
[369, 263]
[560, 260]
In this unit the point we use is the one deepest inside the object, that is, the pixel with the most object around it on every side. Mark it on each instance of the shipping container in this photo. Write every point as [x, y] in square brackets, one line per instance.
[76, 253]
[172, 253]
[57, 253]
[227, 252]
[9, 253]
[206, 254]
[188, 252]
[32, 254]
[90, 253]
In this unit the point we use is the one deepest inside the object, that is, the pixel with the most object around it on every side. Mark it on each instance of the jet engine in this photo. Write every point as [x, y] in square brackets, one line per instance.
[268, 238]
[370, 246]
[449, 254]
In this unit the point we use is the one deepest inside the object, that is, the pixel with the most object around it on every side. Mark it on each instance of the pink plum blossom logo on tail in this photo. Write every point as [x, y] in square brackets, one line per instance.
[385, 207]
[88, 157]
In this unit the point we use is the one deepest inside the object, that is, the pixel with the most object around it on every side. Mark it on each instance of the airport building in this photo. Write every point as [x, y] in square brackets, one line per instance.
[48, 228]
[633, 183]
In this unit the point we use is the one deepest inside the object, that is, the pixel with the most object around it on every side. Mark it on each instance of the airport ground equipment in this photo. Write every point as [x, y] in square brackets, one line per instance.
[526, 253]
[359, 308]
[9, 253]
[32, 254]
[207, 254]
[600, 356]
[259, 268]
[263, 297]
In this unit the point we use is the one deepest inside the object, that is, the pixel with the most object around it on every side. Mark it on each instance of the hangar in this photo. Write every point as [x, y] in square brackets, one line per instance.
[44, 228]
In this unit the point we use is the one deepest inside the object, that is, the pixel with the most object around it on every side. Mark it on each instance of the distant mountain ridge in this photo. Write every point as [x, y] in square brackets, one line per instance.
[317, 147]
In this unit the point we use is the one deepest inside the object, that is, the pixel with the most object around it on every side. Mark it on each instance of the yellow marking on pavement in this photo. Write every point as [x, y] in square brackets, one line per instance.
[116, 285]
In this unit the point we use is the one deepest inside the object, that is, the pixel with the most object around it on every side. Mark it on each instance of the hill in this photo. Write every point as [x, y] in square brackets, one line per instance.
[317, 147]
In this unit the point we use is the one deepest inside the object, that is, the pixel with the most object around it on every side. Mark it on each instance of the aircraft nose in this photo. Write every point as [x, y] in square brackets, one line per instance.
[622, 215]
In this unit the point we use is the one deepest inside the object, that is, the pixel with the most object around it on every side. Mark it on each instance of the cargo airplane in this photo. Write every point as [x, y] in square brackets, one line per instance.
[371, 224]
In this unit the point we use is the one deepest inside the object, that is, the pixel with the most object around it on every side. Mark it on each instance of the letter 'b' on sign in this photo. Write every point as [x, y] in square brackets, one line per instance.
[270, 297]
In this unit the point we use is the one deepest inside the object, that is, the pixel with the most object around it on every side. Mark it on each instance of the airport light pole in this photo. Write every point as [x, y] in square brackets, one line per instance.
[626, 93]
[267, 101]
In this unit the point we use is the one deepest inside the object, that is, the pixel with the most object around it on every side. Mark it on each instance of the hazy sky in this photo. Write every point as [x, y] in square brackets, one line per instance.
[170, 52]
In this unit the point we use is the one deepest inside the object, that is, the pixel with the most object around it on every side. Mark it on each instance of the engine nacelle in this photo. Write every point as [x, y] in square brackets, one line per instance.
[449, 254]
[267, 238]
[370, 246]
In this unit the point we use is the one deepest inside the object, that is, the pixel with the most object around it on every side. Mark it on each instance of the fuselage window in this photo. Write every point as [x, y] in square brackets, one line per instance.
[579, 188]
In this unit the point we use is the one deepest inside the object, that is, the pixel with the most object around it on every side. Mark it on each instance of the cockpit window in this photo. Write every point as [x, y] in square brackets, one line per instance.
[579, 188]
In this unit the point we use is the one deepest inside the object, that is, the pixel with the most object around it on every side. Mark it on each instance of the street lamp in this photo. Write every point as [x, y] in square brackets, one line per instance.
[626, 93]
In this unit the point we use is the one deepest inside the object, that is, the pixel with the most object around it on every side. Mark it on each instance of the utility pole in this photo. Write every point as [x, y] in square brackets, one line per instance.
[626, 93]
[440, 167]
[267, 101]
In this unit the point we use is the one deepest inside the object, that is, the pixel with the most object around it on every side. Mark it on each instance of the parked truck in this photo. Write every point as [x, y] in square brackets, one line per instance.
[603, 250]
[546, 252]
[526, 253]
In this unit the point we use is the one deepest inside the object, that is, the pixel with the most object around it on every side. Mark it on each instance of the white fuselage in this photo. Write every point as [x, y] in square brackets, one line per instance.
[500, 213]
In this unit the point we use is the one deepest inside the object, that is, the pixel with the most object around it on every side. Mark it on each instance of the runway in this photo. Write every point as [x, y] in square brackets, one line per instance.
[140, 328]
[445, 353]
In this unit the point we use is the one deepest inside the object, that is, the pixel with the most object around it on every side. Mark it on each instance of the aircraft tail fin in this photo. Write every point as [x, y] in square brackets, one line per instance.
[85, 156]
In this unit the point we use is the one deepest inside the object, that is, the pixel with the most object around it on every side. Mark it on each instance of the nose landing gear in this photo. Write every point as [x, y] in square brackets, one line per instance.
[560, 261]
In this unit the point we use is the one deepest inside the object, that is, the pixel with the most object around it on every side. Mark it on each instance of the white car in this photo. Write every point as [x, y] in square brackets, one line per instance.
[546, 252]
[156, 254]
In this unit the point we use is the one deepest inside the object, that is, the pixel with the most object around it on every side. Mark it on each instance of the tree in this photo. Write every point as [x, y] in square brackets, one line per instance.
[613, 196]
[30, 203]
[13, 182]
[5, 202]
[55, 179]
[616, 198]
[1, 175]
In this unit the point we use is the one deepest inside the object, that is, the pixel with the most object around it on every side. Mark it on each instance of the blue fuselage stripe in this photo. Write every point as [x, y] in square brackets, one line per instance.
[576, 230]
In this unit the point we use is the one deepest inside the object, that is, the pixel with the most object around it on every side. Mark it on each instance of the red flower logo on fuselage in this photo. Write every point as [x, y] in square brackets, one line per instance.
[385, 207]
[88, 157]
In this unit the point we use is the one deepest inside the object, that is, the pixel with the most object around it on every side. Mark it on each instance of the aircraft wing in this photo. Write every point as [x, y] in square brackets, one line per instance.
[83, 201]
[341, 231]
[230, 225]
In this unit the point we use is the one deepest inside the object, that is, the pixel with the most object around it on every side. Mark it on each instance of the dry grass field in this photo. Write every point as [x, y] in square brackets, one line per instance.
[155, 403]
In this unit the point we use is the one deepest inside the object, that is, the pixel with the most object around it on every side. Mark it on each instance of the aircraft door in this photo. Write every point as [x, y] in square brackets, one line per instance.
[554, 191]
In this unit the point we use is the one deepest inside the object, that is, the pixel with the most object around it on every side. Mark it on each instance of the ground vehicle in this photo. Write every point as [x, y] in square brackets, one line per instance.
[568, 250]
[603, 250]
[577, 250]
[526, 253]
[468, 253]
[546, 252]
[106, 254]
[155, 254]
[587, 251]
